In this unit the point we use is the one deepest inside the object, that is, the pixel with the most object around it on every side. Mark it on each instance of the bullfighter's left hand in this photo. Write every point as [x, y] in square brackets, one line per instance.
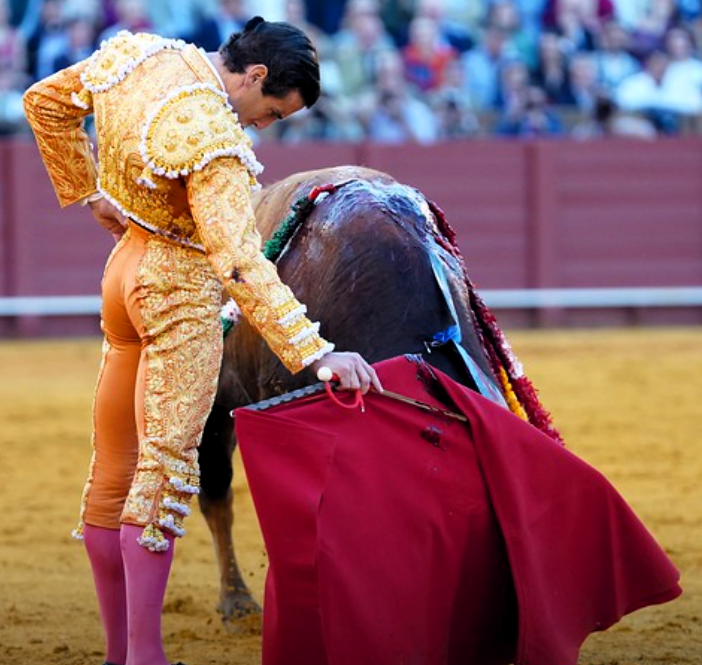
[109, 217]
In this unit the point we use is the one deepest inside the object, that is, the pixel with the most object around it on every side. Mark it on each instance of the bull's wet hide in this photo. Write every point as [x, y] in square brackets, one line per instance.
[400, 536]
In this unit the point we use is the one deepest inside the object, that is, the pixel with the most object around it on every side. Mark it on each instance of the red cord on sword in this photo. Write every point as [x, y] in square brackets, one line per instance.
[328, 377]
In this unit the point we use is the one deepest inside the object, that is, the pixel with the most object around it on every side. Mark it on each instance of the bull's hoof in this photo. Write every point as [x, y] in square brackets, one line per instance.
[241, 614]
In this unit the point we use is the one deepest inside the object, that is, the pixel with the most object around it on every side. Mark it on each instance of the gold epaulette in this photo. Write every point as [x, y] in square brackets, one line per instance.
[118, 56]
[189, 128]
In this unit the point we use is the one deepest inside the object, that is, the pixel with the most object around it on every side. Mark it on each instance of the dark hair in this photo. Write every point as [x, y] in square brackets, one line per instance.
[288, 53]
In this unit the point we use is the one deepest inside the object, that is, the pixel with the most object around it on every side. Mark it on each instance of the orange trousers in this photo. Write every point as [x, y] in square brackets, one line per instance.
[161, 359]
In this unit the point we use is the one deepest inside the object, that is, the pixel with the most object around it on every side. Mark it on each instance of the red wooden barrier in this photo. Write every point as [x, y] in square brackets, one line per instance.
[527, 214]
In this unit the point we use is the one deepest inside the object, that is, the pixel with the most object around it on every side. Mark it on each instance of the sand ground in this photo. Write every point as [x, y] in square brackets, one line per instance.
[628, 401]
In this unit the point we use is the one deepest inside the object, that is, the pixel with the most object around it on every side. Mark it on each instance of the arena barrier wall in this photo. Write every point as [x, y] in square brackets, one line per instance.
[584, 222]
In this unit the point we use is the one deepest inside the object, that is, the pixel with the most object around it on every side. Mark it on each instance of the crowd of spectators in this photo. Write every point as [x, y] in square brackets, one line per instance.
[396, 71]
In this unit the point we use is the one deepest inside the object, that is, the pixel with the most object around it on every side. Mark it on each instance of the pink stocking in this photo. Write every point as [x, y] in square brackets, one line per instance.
[105, 556]
[147, 576]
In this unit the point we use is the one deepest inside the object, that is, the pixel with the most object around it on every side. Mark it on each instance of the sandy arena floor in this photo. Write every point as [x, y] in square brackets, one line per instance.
[629, 402]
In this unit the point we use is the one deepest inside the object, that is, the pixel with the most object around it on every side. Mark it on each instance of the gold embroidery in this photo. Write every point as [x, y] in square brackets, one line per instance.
[57, 123]
[210, 207]
[180, 311]
[222, 208]
[190, 128]
[119, 56]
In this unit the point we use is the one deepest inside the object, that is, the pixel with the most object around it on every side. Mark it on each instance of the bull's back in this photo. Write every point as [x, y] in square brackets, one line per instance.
[273, 203]
[361, 264]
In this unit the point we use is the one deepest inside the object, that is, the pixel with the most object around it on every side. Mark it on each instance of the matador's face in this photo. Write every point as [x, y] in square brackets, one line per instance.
[255, 108]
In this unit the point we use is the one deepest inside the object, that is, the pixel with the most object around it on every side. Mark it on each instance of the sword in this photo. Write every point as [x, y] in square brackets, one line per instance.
[316, 388]
[423, 405]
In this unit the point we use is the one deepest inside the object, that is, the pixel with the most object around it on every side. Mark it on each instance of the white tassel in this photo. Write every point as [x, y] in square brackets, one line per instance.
[153, 544]
[177, 507]
[168, 522]
[181, 486]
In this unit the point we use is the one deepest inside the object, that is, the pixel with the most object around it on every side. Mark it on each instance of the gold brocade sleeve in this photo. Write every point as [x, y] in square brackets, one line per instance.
[219, 200]
[55, 109]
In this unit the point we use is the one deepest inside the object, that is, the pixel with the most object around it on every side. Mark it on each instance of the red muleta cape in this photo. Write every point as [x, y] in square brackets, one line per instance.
[403, 537]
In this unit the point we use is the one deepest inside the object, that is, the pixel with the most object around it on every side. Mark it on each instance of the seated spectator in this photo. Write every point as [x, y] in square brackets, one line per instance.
[455, 117]
[606, 120]
[469, 16]
[331, 120]
[330, 72]
[452, 32]
[230, 16]
[396, 17]
[48, 41]
[551, 72]
[13, 52]
[521, 42]
[661, 98]
[12, 73]
[327, 16]
[614, 63]
[583, 88]
[360, 44]
[514, 87]
[482, 65]
[648, 34]
[90, 10]
[176, 18]
[683, 63]
[531, 12]
[454, 109]
[531, 118]
[294, 13]
[81, 33]
[426, 56]
[391, 113]
[454, 85]
[11, 109]
[131, 15]
[580, 21]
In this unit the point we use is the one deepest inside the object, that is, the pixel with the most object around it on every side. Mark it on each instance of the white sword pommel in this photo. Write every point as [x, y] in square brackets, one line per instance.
[325, 374]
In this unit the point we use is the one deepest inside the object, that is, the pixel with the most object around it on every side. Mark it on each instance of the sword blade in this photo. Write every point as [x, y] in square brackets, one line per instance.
[423, 405]
[317, 388]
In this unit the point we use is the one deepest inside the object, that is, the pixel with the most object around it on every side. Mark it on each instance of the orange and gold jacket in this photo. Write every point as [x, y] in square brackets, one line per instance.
[173, 158]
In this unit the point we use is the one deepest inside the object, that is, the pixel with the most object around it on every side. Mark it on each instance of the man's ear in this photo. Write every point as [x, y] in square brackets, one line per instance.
[256, 74]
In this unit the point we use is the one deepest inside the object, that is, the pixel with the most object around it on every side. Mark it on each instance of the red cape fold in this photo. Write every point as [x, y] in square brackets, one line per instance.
[404, 537]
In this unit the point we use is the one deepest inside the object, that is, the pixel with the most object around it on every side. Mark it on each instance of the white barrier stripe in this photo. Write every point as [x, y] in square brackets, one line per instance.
[675, 296]
[50, 305]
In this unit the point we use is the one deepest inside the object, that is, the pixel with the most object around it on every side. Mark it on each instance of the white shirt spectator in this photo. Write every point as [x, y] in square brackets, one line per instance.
[656, 88]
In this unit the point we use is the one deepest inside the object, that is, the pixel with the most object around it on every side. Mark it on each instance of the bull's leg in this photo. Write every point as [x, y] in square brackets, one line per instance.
[216, 503]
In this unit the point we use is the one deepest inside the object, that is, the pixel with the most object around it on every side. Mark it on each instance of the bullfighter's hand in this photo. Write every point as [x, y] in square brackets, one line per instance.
[109, 217]
[351, 370]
